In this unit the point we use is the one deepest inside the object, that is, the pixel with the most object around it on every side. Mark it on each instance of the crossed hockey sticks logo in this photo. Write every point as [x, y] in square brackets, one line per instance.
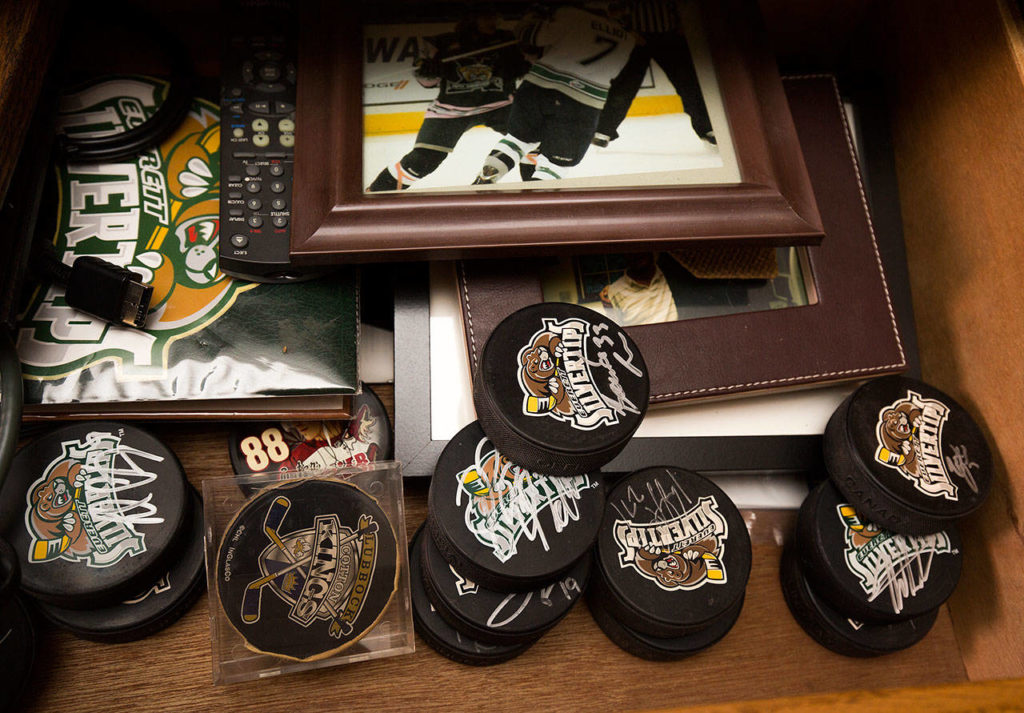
[252, 597]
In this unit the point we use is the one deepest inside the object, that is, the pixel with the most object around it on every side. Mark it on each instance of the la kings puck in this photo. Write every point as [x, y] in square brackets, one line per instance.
[151, 609]
[673, 552]
[291, 449]
[560, 389]
[868, 572]
[306, 568]
[505, 527]
[96, 512]
[496, 617]
[839, 632]
[907, 456]
[438, 633]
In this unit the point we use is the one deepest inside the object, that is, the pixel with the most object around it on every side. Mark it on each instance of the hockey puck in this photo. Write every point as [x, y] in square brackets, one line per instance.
[438, 633]
[96, 511]
[654, 648]
[155, 608]
[494, 617]
[560, 389]
[870, 573]
[306, 568]
[17, 652]
[838, 632]
[673, 552]
[907, 456]
[293, 448]
[504, 527]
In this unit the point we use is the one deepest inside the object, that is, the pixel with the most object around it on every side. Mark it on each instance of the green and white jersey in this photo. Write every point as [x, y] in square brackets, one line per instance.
[581, 53]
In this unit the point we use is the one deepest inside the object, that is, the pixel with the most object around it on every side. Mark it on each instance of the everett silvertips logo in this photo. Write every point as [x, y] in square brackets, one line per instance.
[886, 563]
[504, 501]
[90, 501]
[556, 374]
[910, 442]
[321, 572]
[157, 214]
[684, 552]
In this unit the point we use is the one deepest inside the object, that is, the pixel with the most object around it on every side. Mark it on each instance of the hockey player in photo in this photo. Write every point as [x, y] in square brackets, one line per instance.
[475, 69]
[641, 296]
[559, 102]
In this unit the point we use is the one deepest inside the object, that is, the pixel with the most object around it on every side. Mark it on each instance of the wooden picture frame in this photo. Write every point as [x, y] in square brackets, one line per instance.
[335, 221]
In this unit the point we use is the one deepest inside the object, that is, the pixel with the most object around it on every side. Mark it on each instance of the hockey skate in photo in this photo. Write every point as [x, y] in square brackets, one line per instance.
[604, 94]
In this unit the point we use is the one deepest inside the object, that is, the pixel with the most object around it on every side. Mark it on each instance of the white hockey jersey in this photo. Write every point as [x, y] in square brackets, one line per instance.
[581, 53]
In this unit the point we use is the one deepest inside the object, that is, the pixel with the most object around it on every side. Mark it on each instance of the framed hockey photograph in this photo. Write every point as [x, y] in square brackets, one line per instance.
[447, 129]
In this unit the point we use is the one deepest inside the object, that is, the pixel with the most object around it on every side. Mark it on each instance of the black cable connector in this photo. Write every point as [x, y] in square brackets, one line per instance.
[104, 290]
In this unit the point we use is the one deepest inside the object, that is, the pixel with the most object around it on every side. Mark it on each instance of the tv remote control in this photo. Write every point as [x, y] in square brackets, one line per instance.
[257, 133]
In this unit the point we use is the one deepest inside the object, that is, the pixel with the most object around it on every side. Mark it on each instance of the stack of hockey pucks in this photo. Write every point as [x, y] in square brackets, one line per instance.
[671, 564]
[877, 551]
[517, 499]
[108, 530]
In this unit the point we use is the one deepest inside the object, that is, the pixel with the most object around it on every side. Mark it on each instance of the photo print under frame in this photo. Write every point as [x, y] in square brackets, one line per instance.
[770, 201]
[725, 436]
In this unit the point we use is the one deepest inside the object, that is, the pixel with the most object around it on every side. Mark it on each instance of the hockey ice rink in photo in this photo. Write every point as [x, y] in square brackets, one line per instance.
[656, 144]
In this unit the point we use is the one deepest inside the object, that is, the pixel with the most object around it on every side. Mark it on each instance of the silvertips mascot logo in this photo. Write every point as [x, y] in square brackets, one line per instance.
[910, 442]
[557, 368]
[157, 214]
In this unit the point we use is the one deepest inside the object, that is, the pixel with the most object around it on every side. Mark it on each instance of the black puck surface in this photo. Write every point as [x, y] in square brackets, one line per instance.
[293, 448]
[438, 633]
[673, 550]
[654, 648]
[154, 608]
[17, 652]
[503, 526]
[96, 511]
[838, 632]
[868, 572]
[306, 568]
[560, 388]
[898, 444]
[499, 617]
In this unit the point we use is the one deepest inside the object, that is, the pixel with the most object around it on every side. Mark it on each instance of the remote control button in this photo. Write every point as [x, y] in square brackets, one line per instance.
[280, 221]
[234, 179]
[238, 133]
[279, 204]
[236, 212]
[236, 92]
[247, 73]
[243, 154]
[278, 187]
[269, 56]
[276, 170]
[260, 107]
[252, 170]
[258, 41]
[283, 108]
[261, 140]
[255, 221]
[286, 126]
[239, 241]
[276, 155]
[253, 187]
[287, 140]
[235, 195]
[270, 72]
[260, 125]
[271, 87]
[289, 73]
[254, 204]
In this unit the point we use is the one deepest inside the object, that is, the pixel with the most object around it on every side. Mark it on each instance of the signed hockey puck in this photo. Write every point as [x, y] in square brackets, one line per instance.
[438, 633]
[306, 568]
[496, 617]
[17, 652]
[654, 648]
[154, 608]
[504, 527]
[839, 632]
[673, 552]
[907, 456]
[560, 389]
[870, 573]
[293, 448]
[96, 512]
